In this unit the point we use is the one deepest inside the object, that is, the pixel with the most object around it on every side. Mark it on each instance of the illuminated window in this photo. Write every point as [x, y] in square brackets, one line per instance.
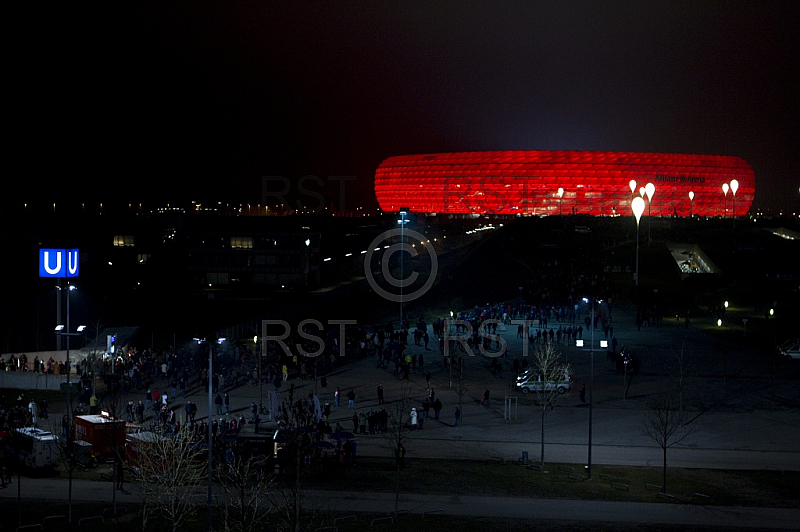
[241, 242]
[123, 241]
[217, 278]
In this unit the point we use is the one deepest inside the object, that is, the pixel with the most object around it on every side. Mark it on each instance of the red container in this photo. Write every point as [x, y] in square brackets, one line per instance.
[105, 434]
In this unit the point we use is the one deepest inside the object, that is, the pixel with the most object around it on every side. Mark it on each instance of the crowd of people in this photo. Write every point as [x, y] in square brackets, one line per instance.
[37, 365]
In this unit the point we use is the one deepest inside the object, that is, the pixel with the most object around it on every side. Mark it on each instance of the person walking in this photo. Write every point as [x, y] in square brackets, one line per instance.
[227, 402]
[458, 417]
[351, 399]
[218, 402]
[414, 418]
[437, 408]
[485, 398]
[380, 394]
[336, 394]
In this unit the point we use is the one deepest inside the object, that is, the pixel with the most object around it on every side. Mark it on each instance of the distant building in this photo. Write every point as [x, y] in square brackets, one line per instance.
[226, 255]
[535, 183]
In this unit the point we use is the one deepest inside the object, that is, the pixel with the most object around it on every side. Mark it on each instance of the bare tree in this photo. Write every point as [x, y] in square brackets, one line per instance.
[170, 467]
[667, 425]
[396, 433]
[549, 386]
[245, 483]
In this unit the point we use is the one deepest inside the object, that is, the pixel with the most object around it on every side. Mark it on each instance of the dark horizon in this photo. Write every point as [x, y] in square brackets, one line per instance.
[180, 102]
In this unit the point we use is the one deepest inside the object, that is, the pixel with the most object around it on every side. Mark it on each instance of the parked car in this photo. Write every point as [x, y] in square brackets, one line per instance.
[790, 349]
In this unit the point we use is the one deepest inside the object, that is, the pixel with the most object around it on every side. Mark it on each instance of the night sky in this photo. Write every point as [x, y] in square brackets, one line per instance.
[170, 102]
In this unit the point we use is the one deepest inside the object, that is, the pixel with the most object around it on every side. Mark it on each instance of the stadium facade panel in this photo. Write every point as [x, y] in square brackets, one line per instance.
[593, 182]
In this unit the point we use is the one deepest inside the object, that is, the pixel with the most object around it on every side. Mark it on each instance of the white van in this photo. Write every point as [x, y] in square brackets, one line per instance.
[34, 448]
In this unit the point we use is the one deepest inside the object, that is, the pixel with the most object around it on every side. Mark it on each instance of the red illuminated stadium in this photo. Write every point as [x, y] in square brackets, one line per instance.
[593, 182]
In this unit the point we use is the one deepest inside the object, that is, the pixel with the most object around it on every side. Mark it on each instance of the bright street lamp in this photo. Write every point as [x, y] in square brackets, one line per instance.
[637, 205]
[560, 195]
[632, 184]
[691, 199]
[725, 188]
[649, 189]
[734, 188]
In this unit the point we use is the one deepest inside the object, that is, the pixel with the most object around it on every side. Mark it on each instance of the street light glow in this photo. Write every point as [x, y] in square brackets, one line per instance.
[650, 189]
[637, 204]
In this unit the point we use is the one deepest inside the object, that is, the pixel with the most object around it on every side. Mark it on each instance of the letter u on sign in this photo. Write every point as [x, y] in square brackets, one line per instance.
[58, 263]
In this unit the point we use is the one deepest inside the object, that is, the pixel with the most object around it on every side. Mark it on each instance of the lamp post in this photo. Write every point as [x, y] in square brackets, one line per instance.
[725, 188]
[691, 199]
[637, 206]
[632, 184]
[734, 188]
[210, 434]
[61, 330]
[260, 376]
[402, 221]
[591, 396]
[649, 189]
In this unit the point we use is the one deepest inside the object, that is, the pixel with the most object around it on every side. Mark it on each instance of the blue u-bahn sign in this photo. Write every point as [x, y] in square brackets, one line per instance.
[58, 263]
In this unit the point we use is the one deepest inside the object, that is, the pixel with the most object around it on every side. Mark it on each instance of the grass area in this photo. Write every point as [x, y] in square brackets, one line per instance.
[486, 478]
[558, 481]
[633, 484]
